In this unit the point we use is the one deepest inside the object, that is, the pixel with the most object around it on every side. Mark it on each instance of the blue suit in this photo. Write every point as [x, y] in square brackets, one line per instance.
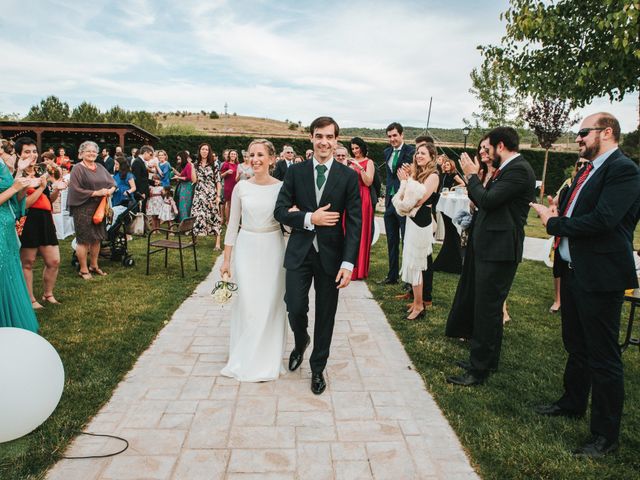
[394, 223]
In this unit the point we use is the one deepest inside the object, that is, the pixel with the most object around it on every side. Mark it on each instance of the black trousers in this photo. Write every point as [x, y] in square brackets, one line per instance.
[427, 280]
[298, 283]
[492, 282]
[590, 329]
[394, 227]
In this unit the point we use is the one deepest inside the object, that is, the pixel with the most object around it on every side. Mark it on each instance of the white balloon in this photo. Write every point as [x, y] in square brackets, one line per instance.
[32, 379]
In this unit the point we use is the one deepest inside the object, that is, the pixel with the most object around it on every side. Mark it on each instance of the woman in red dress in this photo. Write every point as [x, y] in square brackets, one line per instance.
[365, 169]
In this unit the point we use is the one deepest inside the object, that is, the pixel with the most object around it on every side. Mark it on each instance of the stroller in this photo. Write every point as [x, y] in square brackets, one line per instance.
[115, 246]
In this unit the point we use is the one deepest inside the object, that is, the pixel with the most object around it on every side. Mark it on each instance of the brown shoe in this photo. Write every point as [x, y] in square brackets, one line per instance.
[404, 296]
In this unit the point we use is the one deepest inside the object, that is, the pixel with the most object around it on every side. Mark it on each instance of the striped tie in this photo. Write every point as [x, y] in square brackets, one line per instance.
[575, 191]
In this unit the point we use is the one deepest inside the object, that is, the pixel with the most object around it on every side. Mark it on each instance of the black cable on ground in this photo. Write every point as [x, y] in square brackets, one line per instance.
[100, 456]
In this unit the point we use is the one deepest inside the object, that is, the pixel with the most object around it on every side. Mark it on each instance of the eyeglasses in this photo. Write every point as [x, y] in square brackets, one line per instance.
[583, 132]
[581, 164]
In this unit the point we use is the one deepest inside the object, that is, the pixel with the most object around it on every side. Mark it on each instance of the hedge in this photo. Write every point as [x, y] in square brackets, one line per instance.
[558, 161]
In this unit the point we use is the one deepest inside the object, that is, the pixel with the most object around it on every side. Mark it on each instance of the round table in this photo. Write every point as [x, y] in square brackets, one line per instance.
[451, 203]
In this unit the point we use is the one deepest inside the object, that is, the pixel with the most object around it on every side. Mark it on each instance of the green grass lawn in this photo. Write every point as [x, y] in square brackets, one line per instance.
[505, 439]
[101, 328]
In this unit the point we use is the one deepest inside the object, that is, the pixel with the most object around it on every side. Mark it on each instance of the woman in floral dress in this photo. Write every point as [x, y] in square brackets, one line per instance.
[206, 195]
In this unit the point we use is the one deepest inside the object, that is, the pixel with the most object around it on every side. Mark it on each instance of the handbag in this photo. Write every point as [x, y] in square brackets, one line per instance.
[99, 214]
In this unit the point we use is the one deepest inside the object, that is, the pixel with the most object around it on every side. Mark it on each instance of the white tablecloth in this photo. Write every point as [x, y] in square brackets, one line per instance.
[451, 204]
[63, 221]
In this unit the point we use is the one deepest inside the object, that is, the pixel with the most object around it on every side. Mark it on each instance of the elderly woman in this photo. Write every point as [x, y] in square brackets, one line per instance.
[89, 184]
[15, 305]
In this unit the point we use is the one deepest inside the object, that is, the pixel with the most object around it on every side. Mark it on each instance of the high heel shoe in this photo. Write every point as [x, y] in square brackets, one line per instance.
[416, 316]
[554, 310]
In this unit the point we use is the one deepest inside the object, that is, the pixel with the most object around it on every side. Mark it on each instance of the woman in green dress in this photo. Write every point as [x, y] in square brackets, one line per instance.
[15, 304]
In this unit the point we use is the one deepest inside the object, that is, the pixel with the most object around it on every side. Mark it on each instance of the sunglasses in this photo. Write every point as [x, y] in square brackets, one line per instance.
[583, 132]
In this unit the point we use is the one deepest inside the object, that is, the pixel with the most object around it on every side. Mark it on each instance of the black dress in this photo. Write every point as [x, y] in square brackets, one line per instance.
[450, 257]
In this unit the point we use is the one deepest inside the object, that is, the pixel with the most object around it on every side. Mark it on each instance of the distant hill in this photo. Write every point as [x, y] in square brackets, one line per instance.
[186, 123]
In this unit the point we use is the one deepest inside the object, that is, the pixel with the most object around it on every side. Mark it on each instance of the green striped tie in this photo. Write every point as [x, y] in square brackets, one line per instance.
[321, 177]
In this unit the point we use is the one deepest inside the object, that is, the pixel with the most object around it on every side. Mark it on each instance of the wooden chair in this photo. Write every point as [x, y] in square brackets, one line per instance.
[184, 237]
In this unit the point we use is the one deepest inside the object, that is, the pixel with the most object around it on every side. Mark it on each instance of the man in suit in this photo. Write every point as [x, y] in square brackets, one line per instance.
[107, 160]
[314, 198]
[281, 166]
[498, 237]
[395, 155]
[140, 172]
[594, 226]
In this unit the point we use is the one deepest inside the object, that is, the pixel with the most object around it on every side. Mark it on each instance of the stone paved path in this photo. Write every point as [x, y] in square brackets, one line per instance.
[184, 421]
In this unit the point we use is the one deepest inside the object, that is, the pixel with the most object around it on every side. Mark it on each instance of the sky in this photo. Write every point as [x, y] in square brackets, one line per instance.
[366, 63]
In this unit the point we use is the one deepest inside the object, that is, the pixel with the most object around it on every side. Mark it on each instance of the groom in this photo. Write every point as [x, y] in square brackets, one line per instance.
[317, 197]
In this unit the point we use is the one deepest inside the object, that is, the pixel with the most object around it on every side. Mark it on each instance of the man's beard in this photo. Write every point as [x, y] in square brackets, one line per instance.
[591, 152]
[495, 163]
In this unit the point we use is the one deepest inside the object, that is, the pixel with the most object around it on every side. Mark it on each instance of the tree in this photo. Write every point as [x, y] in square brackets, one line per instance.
[117, 114]
[576, 49]
[50, 109]
[9, 116]
[87, 112]
[499, 105]
[214, 115]
[144, 120]
[548, 119]
[631, 145]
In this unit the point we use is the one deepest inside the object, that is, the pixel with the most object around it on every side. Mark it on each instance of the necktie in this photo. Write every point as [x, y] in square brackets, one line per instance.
[394, 166]
[495, 174]
[581, 179]
[321, 177]
[394, 161]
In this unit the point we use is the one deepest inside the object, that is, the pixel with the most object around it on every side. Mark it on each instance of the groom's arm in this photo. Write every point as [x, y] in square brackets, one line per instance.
[286, 200]
[353, 211]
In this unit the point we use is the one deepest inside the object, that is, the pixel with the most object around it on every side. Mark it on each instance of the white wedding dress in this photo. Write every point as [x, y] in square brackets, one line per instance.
[259, 316]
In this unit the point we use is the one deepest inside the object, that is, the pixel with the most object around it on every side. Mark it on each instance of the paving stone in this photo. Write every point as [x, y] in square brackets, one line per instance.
[353, 471]
[262, 460]
[136, 467]
[390, 461]
[256, 411]
[201, 465]
[314, 461]
[262, 437]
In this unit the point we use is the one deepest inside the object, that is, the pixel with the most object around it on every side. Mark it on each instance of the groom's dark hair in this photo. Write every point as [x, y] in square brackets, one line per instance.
[322, 122]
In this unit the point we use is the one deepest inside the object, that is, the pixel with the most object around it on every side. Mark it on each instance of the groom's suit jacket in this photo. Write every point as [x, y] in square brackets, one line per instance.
[334, 244]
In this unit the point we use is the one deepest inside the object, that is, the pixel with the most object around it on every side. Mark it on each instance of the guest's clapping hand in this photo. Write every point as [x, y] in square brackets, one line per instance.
[544, 212]
[24, 163]
[404, 171]
[323, 218]
[20, 183]
[468, 165]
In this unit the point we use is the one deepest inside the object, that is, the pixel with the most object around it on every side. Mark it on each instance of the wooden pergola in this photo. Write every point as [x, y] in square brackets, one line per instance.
[73, 133]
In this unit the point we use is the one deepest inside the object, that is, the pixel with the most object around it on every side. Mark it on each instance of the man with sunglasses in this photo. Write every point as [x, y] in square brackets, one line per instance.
[594, 225]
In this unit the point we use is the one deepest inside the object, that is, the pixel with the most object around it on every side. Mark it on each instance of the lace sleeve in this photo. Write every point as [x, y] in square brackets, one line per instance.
[234, 217]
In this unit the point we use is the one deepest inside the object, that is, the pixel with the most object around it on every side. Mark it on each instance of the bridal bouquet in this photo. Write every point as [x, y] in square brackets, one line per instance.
[223, 290]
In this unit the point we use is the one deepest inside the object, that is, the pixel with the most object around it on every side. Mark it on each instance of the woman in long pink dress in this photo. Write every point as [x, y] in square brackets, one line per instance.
[228, 174]
[365, 169]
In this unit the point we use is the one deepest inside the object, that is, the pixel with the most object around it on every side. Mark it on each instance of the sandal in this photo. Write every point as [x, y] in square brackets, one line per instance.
[85, 275]
[50, 299]
[417, 315]
[97, 271]
[36, 306]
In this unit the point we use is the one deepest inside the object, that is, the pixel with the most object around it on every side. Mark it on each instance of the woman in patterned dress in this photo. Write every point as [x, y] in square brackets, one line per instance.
[206, 195]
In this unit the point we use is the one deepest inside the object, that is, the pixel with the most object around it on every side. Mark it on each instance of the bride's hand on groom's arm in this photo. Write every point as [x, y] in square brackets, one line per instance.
[323, 218]
[343, 278]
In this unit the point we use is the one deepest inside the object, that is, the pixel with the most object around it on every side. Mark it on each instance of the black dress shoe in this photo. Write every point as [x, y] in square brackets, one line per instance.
[598, 446]
[466, 365]
[317, 383]
[466, 380]
[295, 359]
[387, 281]
[554, 410]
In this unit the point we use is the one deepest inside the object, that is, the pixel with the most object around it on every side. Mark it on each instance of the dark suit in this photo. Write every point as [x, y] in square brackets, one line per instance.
[301, 260]
[600, 239]
[139, 170]
[394, 223]
[109, 164]
[497, 241]
[280, 169]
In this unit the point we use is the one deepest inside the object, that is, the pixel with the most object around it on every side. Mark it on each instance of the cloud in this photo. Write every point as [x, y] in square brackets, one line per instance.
[366, 63]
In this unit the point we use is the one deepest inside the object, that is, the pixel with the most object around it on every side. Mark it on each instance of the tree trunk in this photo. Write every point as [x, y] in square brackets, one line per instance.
[544, 174]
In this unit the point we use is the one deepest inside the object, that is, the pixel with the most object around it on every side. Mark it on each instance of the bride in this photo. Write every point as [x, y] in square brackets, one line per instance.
[258, 318]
